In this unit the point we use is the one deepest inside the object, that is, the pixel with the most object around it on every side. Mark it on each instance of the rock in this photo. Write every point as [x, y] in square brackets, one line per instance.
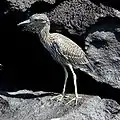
[104, 50]
[89, 22]
[50, 1]
[75, 16]
[111, 3]
[23, 5]
[4, 109]
[95, 27]
[20, 4]
[77, 19]
[41, 107]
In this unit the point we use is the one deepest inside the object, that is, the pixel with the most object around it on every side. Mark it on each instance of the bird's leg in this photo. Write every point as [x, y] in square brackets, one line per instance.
[66, 77]
[75, 85]
[63, 92]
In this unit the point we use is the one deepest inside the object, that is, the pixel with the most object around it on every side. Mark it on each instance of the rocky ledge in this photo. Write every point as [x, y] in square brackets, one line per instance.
[95, 26]
[27, 105]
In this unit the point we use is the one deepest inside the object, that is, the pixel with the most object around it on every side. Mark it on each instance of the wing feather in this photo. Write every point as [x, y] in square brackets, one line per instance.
[70, 50]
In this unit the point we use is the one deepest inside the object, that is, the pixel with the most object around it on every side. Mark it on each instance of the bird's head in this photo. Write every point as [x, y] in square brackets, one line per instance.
[36, 22]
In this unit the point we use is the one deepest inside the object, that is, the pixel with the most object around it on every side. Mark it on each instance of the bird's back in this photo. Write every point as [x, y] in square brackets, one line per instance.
[65, 51]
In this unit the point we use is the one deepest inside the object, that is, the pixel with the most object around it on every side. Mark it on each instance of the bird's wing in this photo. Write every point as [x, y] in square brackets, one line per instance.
[70, 50]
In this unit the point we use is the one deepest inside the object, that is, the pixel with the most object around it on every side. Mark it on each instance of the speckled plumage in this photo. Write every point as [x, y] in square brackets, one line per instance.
[62, 49]
[65, 51]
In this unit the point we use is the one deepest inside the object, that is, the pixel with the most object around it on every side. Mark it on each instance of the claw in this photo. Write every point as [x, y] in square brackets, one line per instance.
[74, 99]
[60, 97]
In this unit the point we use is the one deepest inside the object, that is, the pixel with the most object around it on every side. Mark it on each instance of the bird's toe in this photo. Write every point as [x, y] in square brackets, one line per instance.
[74, 99]
[60, 97]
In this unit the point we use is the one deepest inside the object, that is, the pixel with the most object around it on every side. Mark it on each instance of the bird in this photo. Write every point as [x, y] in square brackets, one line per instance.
[61, 48]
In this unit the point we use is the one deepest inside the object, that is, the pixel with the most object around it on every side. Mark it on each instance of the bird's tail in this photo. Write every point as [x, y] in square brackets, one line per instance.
[90, 67]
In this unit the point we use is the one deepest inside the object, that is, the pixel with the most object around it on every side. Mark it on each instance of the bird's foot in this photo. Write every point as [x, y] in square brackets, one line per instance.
[74, 99]
[60, 97]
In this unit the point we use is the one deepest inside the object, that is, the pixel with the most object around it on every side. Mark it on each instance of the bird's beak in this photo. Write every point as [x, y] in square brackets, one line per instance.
[24, 22]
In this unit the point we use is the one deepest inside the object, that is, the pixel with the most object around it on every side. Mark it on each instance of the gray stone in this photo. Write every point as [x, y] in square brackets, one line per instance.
[4, 109]
[75, 16]
[41, 107]
[82, 21]
[99, 26]
[104, 50]
[23, 5]
[82, 17]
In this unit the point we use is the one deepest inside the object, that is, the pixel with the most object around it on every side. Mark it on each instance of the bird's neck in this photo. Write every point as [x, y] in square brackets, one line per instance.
[44, 33]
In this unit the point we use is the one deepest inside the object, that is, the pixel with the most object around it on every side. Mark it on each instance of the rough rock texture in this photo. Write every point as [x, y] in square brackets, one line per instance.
[76, 23]
[41, 107]
[111, 3]
[104, 50]
[23, 5]
[27, 65]
[77, 15]
[80, 23]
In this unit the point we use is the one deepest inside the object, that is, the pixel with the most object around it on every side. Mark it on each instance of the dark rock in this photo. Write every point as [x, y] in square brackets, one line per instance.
[76, 19]
[75, 16]
[23, 5]
[104, 50]
[41, 107]
[79, 25]
[110, 3]
[27, 65]
[4, 109]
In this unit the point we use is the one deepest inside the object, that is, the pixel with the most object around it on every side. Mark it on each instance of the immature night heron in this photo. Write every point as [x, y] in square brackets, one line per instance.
[62, 49]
